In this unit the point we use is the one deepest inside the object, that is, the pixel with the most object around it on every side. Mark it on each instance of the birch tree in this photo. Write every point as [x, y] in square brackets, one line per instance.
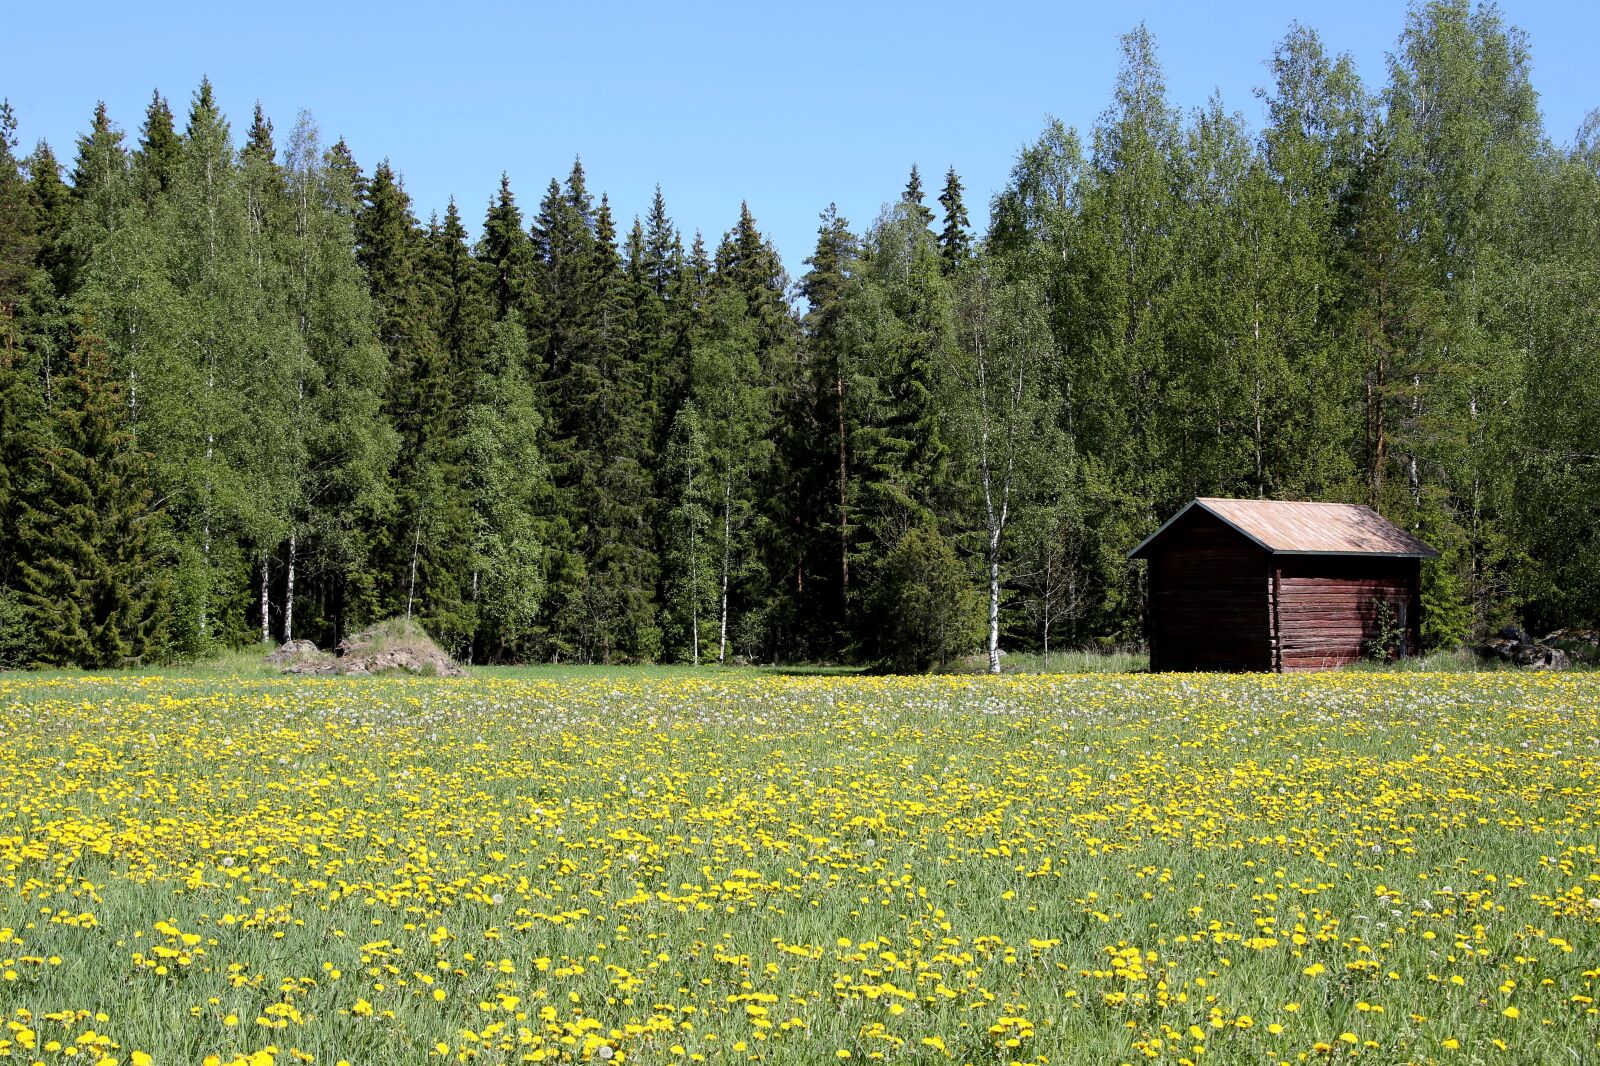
[1002, 413]
[689, 559]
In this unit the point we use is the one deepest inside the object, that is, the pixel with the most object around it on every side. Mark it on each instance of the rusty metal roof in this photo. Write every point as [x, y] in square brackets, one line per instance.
[1287, 527]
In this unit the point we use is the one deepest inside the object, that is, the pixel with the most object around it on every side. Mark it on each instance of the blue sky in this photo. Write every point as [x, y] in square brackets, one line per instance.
[790, 106]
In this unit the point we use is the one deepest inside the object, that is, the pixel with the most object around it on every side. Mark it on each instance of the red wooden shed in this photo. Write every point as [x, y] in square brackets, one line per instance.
[1277, 585]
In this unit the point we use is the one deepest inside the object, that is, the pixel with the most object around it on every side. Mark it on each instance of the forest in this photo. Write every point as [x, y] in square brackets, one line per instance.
[246, 394]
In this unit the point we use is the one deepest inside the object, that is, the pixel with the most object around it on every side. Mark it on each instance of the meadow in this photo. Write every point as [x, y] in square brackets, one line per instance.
[733, 866]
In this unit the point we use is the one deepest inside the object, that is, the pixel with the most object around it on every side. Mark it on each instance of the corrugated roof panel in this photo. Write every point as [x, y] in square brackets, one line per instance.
[1305, 528]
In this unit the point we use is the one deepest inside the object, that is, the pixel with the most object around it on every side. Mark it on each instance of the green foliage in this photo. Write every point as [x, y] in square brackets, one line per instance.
[1387, 633]
[1446, 610]
[923, 607]
[507, 485]
[90, 581]
[689, 558]
[19, 646]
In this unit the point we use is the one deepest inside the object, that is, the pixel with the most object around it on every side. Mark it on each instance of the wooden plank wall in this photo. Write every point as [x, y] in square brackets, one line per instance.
[1209, 599]
[1328, 606]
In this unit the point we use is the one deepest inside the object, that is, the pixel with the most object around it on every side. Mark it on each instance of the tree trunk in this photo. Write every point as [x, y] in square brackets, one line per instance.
[411, 590]
[994, 599]
[471, 641]
[1049, 576]
[844, 516]
[266, 604]
[727, 555]
[288, 594]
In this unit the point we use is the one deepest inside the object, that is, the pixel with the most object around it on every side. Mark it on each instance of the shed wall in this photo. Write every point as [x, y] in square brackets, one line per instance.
[1327, 609]
[1209, 606]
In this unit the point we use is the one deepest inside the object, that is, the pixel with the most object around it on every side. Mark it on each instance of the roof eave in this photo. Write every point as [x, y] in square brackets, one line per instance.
[1139, 551]
[1428, 554]
[1199, 502]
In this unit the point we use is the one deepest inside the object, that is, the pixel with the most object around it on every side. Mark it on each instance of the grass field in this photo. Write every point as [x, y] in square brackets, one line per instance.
[735, 866]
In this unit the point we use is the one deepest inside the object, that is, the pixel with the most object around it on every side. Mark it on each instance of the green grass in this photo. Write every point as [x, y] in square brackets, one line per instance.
[640, 849]
[1060, 662]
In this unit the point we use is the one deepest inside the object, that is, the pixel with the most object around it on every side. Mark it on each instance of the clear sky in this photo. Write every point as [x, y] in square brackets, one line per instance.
[789, 106]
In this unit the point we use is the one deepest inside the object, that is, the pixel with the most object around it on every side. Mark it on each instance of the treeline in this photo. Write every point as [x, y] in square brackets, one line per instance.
[245, 394]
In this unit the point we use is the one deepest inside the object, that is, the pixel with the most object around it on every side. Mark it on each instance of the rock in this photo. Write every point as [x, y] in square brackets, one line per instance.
[393, 645]
[1525, 653]
[1540, 657]
[1581, 645]
[295, 653]
[1516, 634]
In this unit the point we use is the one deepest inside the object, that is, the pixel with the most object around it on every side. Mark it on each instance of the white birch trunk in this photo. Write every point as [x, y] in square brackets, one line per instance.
[411, 590]
[994, 599]
[470, 640]
[266, 604]
[727, 555]
[1049, 590]
[288, 595]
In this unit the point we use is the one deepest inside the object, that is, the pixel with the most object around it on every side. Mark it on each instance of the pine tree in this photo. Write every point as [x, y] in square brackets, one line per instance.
[91, 582]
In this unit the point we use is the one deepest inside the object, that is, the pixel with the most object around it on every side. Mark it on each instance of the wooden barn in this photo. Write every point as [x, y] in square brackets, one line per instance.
[1277, 585]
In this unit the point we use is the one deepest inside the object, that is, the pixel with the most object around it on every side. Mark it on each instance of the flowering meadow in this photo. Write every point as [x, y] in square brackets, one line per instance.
[733, 866]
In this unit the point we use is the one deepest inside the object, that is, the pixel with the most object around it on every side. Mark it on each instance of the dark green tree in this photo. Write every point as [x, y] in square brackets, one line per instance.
[91, 580]
[955, 240]
[912, 198]
[160, 152]
[506, 256]
[423, 562]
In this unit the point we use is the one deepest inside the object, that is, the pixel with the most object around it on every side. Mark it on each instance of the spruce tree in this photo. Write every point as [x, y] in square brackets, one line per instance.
[464, 308]
[101, 191]
[91, 580]
[912, 198]
[19, 225]
[160, 151]
[506, 256]
[826, 454]
[424, 565]
[19, 247]
[53, 206]
[955, 240]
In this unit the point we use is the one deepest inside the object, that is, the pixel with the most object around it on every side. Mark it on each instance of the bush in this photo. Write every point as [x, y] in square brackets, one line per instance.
[925, 610]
